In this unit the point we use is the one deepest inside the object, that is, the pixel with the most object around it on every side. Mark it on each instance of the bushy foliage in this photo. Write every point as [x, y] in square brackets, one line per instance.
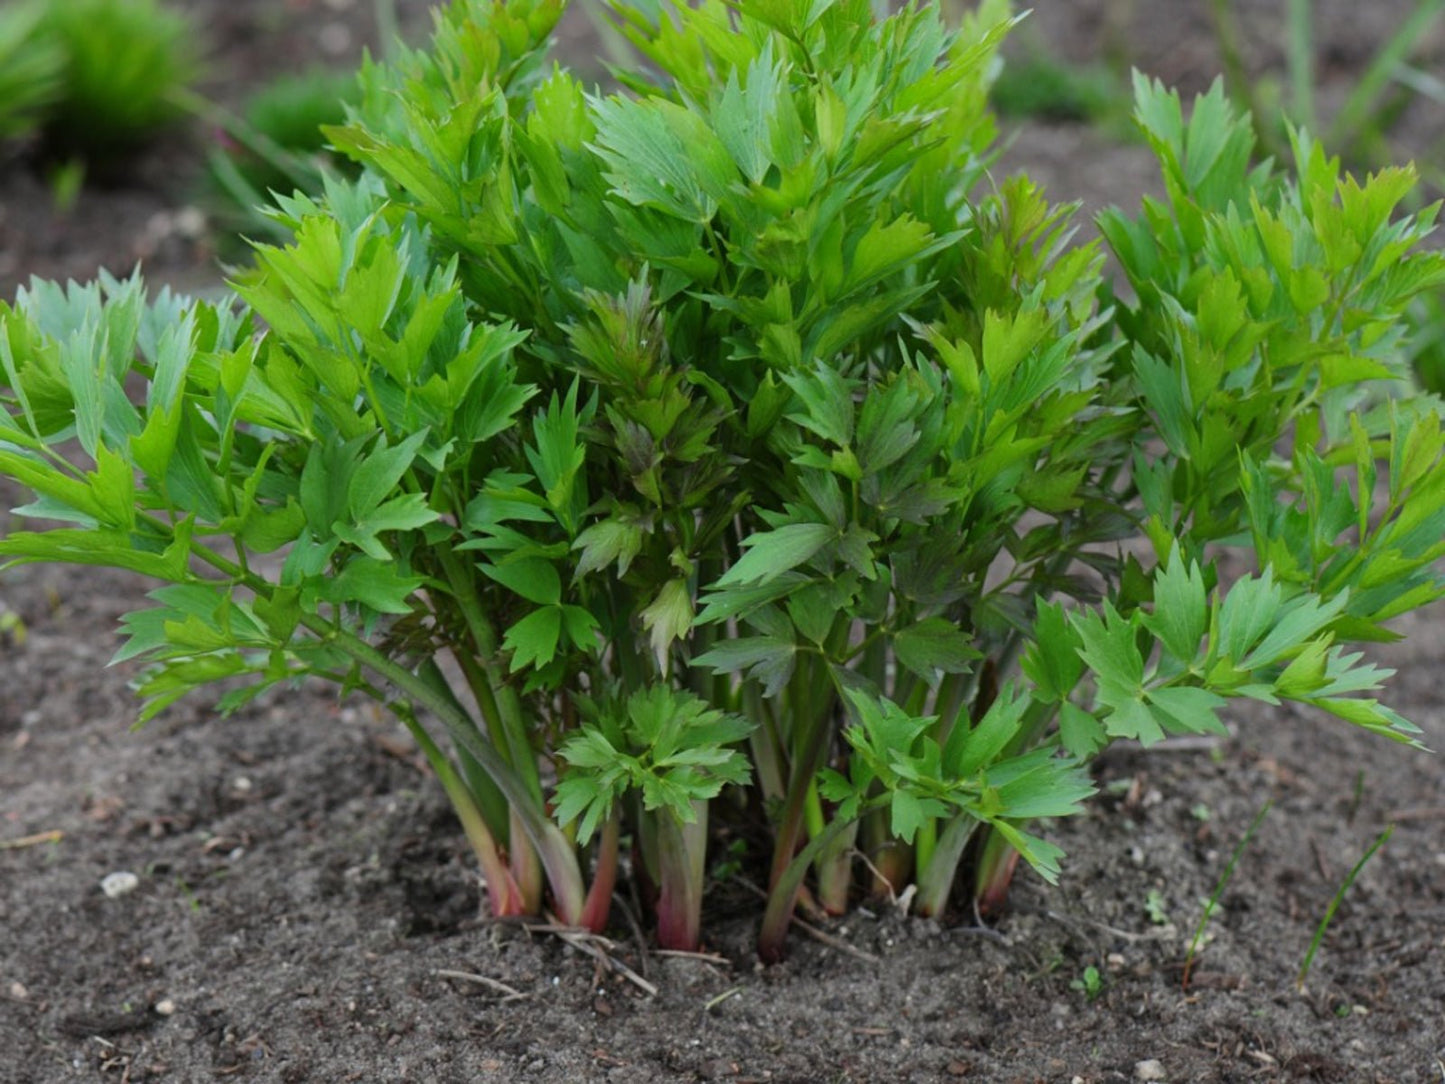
[737, 434]
[123, 62]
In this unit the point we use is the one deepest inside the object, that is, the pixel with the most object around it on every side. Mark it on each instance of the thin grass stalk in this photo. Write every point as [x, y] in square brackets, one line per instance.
[1236, 75]
[1359, 108]
[1224, 878]
[388, 29]
[296, 170]
[1300, 59]
[1334, 906]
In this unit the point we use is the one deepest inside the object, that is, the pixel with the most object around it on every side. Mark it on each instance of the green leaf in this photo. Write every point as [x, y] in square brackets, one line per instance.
[613, 539]
[372, 582]
[935, 646]
[768, 660]
[533, 640]
[533, 579]
[668, 618]
[771, 553]
[972, 749]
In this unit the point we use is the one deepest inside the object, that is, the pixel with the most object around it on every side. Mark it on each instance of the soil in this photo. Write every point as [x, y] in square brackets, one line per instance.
[305, 908]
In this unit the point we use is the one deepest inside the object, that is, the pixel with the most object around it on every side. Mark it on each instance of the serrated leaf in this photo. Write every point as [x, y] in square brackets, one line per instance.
[533, 579]
[771, 553]
[935, 646]
[533, 640]
[1181, 611]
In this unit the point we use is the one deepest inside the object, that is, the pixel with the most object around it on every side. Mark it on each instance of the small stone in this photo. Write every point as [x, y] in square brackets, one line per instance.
[18, 991]
[242, 784]
[1150, 1069]
[334, 39]
[118, 884]
[166, 1007]
[190, 223]
[958, 1068]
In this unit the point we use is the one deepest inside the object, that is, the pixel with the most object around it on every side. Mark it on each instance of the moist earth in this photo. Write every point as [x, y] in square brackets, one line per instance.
[305, 907]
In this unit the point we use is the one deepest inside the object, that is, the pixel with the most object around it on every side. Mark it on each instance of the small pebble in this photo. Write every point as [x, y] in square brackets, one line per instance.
[1151, 1069]
[334, 38]
[166, 1007]
[18, 991]
[117, 884]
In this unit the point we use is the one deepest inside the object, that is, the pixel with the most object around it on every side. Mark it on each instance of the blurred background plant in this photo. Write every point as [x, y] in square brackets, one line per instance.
[275, 144]
[31, 64]
[1035, 84]
[1359, 126]
[123, 62]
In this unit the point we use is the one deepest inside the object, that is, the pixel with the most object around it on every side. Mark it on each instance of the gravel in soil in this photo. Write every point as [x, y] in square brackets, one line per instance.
[304, 907]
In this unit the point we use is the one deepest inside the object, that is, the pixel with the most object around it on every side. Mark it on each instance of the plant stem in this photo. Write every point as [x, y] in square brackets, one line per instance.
[936, 873]
[506, 897]
[559, 859]
[812, 735]
[598, 907]
[681, 863]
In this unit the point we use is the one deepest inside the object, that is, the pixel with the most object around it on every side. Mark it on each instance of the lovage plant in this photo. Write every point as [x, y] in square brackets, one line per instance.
[738, 437]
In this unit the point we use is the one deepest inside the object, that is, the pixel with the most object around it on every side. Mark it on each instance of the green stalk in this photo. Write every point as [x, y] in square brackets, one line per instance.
[938, 871]
[681, 866]
[779, 911]
[997, 859]
[834, 867]
[526, 867]
[994, 873]
[559, 859]
[765, 743]
[812, 735]
[491, 802]
[501, 708]
[506, 898]
[891, 859]
[496, 698]
[598, 907]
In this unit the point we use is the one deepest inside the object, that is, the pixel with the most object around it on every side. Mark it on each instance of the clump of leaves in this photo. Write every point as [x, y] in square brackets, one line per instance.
[734, 430]
[124, 64]
[30, 68]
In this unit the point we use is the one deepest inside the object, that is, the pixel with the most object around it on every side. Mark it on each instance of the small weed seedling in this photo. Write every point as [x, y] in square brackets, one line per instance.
[1090, 982]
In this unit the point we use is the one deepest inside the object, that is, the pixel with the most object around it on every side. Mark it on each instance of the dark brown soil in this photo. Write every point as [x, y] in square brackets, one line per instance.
[306, 909]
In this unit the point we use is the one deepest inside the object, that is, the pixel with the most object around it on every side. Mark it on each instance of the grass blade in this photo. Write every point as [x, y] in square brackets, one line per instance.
[1219, 891]
[1299, 50]
[1359, 109]
[1335, 904]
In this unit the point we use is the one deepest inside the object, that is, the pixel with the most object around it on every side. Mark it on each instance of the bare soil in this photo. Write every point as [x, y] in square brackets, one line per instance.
[306, 909]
